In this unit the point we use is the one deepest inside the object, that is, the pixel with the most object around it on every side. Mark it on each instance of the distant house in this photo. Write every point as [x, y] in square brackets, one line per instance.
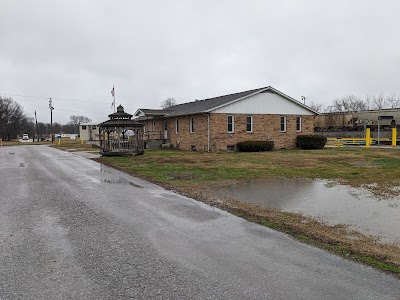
[217, 124]
[89, 131]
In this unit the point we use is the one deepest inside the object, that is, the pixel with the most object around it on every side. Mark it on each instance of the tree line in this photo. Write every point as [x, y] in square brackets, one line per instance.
[353, 103]
[14, 122]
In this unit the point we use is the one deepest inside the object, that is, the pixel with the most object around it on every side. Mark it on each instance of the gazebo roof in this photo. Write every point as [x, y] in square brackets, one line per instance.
[120, 114]
[121, 119]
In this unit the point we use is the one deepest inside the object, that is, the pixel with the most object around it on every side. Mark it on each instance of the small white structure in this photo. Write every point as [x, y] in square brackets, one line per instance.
[89, 131]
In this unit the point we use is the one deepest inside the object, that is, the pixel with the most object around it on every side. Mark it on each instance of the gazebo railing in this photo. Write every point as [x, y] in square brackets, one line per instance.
[121, 145]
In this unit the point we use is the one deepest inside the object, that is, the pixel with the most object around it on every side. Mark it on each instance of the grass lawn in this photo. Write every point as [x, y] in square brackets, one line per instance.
[73, 145]
[376, 169]
[18, 143]
[189, 172]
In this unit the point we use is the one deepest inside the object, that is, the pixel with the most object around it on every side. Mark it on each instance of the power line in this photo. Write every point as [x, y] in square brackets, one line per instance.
[86, 101]
[82, 112]
[24, 96]
[62, 99]
[54, 98]
[40, 98]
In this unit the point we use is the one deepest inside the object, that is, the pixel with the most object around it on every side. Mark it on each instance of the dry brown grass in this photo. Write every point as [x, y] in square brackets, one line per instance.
[72, 145]
[18, 143]
[12, 143]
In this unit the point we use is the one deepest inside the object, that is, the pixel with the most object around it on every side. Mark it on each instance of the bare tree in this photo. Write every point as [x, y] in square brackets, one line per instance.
[315, 106]
[76, 120]
[348, 103]
[57, 127]
[12, 119]
[379, 101]
[168, 102]
[393, 101]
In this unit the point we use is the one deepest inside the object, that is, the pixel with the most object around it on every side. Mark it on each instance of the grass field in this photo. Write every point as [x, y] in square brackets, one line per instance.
[73, 145]
[189, 172]
[18, 143]
[375, 169]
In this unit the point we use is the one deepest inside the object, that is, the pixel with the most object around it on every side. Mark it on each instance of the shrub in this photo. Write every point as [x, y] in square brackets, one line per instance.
[255, 146]
[315, 141]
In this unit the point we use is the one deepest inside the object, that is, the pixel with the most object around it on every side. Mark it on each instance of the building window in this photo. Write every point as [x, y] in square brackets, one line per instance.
[283, 124]
[94, 127]
[298, 124]
[165, 126]
[177, 126]
[230, 148]
[191, 125]
[231, 124]
[249, 123]
[83, 127]
[154, 127]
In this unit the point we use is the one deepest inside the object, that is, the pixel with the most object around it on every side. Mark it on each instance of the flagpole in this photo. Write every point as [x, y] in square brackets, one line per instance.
[114, 98]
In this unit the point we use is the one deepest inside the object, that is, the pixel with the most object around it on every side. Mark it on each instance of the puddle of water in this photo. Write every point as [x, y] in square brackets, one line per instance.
[187, 176]
[121, 181]
[135, 185]
[333, 203]
[113, 177]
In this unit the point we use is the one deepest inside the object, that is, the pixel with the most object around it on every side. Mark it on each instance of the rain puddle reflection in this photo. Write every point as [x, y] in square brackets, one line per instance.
[330, 202]
[115, 177]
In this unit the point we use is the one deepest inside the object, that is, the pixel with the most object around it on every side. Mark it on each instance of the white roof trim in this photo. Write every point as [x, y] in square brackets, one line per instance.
[137, 112]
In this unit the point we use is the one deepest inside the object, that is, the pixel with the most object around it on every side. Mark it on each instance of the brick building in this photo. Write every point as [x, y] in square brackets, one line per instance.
[217, 124]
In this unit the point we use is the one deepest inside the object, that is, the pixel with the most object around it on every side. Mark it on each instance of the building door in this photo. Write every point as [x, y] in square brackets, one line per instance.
[165, 130]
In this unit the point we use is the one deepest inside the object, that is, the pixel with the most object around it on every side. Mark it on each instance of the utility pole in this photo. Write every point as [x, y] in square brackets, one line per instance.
[33, 133]
[37, 128]
[51, 120]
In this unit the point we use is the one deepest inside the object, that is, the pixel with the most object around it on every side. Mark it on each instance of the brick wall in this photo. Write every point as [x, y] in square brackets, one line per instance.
[185, 139]
[265, 127]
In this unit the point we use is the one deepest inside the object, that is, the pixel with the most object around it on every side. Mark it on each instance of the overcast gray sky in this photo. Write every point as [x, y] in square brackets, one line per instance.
[75, 50]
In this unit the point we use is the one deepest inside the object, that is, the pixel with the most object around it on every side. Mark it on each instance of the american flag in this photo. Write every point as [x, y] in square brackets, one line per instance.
[113, 94]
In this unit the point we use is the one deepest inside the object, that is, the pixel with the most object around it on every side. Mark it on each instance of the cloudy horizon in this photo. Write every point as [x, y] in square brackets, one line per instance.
[74, 51]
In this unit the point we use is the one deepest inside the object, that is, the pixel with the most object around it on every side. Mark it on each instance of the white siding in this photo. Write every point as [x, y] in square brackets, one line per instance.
[89, 133]
[264, 103]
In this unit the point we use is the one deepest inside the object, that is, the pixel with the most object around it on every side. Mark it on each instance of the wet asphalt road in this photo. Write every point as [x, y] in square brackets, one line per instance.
[71, 228]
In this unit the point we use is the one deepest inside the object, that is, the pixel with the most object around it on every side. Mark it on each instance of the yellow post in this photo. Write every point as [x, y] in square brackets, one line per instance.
[59, 141]
[368, 138]
[394, 136]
